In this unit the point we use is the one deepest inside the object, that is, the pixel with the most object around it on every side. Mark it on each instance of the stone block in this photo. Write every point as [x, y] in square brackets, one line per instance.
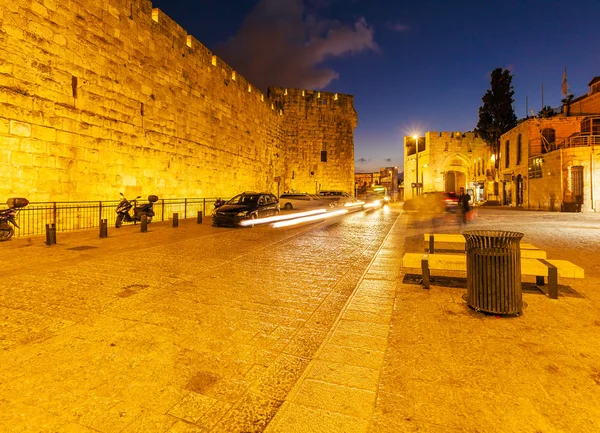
[44, 133]
[33, 146]
[4, 126]
[47, 174]
[45, 161]
[23, 159]
[20, 129]
[66, 137]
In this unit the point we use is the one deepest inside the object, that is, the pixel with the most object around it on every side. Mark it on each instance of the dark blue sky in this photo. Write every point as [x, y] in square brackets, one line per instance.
[412, 66]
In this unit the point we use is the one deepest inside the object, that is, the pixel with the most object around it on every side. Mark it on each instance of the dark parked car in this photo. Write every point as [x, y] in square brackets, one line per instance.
[246, 206]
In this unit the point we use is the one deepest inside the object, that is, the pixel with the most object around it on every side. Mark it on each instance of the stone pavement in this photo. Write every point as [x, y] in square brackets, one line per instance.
[312, 328]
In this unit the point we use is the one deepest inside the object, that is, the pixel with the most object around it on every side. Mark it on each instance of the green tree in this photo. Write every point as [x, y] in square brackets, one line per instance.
[546, 112]
[496, 115]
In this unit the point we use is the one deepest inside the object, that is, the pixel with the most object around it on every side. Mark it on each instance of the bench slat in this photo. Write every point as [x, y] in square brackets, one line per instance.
[460, 239]
[458, 262]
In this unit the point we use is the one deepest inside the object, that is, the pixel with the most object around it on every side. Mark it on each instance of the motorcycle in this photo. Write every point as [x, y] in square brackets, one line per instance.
[138, 211]
[219, 202]
[8, 217]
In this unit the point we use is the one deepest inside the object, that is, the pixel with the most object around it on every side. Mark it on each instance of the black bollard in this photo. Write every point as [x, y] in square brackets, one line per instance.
[103, 228]
[199, 217]
[175, 220]
[50, 234]
[144, 227]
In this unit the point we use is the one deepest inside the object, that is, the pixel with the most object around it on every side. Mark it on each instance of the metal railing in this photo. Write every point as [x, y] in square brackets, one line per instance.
[584, 140]
[71, 216]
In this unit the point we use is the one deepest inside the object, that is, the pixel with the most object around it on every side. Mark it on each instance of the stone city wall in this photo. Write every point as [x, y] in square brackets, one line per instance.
[318, 122]
[102, 97]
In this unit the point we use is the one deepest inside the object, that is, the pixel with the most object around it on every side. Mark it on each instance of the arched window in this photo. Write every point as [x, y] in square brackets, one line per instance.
[507, 157]
[519, 148]
[549, 138]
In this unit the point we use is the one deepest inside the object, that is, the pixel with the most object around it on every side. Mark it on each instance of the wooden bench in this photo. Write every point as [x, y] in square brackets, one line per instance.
[528, 251]
[539, 268]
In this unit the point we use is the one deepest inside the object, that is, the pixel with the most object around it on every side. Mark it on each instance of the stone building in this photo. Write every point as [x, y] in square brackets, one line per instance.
[445, 161]
[551, 163]
[98, 98]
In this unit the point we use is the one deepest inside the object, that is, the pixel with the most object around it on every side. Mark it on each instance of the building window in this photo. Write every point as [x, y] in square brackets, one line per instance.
[548, 139]
[323, 156]
[535, 167]
[519, 148]
[507, 152]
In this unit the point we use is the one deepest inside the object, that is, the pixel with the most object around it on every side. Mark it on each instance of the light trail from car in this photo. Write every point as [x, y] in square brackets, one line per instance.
[354, 204]
[281, 217]
[373, 204]
[319, 217]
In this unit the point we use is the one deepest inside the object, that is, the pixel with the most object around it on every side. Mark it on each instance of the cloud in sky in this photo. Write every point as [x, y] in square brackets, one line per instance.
[283, 43]
[398, 27]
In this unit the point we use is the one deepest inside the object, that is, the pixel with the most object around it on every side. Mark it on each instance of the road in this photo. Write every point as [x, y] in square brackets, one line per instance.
[306, 328]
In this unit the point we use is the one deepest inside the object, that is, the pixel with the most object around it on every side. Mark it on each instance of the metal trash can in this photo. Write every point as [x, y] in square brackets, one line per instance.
[494, 271]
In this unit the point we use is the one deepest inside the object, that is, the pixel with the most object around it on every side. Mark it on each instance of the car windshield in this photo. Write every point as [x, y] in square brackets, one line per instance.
[244, 199]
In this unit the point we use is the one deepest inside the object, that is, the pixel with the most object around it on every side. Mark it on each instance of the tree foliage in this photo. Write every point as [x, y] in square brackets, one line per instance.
[496, 115]
[546, 112]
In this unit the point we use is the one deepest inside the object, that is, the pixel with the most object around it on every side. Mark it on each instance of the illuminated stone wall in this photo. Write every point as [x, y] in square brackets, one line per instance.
[99, 97]
[318, 122]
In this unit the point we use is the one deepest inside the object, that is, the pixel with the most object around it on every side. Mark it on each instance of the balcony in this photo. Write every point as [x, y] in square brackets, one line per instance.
[583, 140]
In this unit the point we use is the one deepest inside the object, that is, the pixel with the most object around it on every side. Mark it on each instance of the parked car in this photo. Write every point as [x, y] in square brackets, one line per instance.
[338, 198]
[246, 206]
[302, 201]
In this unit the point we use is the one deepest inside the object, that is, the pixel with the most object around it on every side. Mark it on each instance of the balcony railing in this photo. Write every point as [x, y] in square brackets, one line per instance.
[71, 216]
[584, 140]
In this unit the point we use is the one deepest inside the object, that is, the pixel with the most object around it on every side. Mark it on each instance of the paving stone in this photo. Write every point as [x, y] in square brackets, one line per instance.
[298, 418]
[353, 356]
[344, 374]
[354, 402]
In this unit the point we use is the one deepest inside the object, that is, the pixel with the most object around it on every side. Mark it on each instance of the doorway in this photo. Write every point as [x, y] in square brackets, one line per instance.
[577, 183]
[519, 190]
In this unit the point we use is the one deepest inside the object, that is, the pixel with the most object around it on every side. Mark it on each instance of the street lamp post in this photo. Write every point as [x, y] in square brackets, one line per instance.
[416, 137]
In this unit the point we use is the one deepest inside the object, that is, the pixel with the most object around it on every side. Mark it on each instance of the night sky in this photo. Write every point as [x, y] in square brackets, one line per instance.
[412, 66]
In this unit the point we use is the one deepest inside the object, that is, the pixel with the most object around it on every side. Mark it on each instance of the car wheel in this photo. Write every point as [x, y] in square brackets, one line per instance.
[288, 206]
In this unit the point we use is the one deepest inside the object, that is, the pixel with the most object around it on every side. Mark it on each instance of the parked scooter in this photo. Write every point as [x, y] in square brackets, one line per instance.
[8, 217]
[125, 206]
[219, 202]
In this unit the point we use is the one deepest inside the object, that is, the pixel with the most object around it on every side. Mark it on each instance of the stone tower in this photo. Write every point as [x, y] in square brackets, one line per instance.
[319, 139]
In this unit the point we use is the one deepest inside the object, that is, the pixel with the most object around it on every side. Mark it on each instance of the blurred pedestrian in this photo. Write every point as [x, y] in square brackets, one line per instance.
[466, 207]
